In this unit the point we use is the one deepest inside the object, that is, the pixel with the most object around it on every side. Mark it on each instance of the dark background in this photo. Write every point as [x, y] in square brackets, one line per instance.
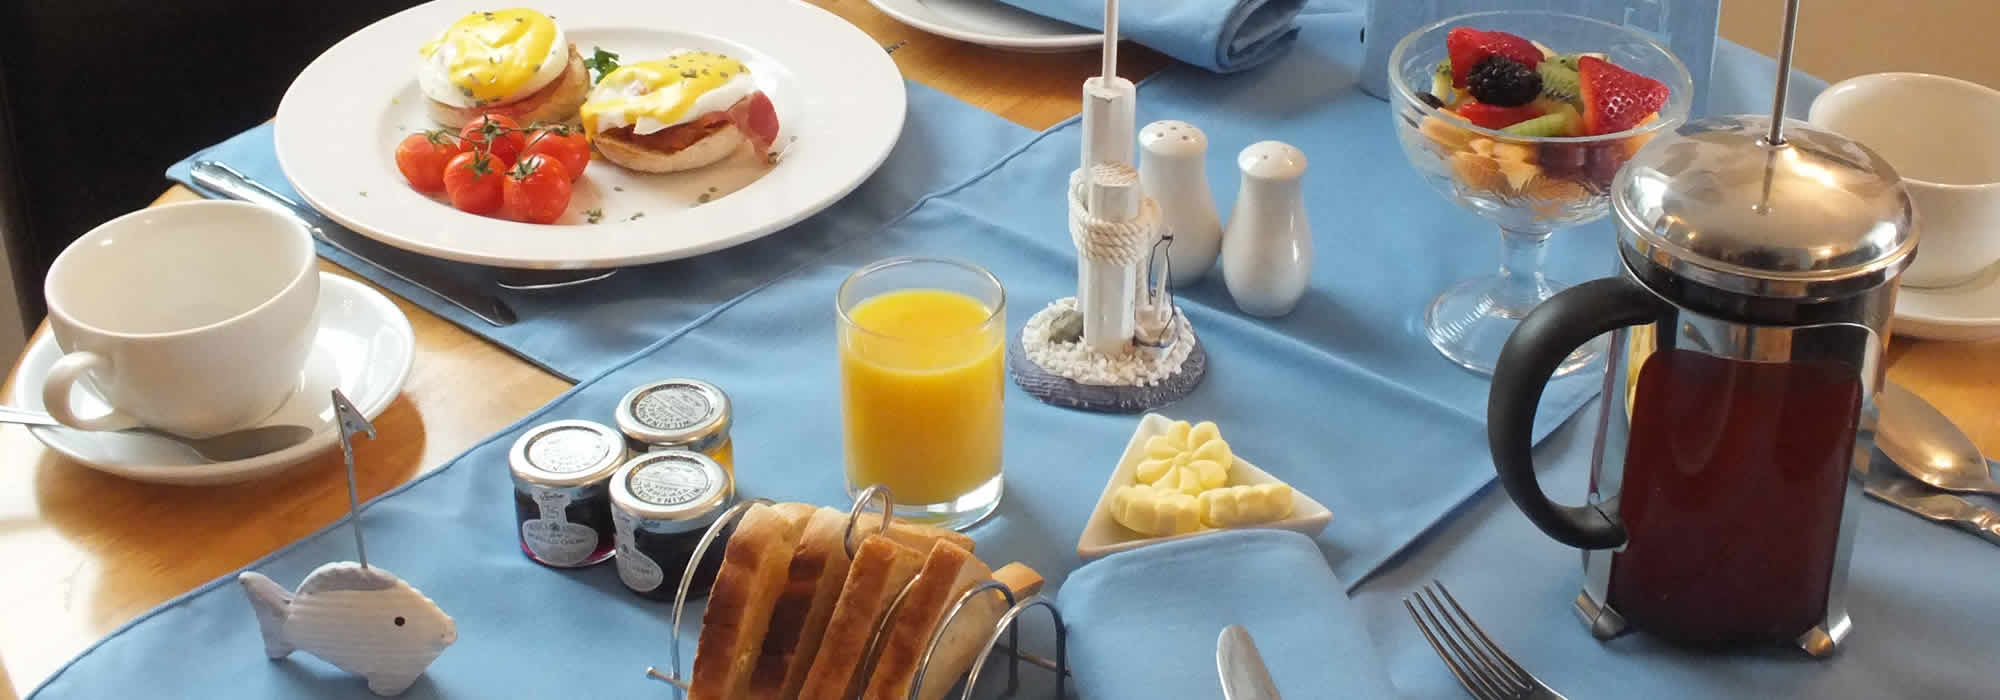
[98, 97]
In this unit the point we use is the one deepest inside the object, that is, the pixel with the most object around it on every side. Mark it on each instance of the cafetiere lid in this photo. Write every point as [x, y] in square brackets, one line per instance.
[1812, 217]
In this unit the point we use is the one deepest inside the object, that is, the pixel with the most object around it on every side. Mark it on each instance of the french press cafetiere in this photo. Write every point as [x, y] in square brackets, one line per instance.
[1759, 270]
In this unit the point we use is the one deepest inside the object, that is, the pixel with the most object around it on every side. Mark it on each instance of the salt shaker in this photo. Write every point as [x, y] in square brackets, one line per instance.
[1267, 249]
[1172, 172]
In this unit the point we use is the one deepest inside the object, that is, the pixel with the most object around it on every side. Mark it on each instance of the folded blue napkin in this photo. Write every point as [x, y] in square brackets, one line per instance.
[1143, 623]
[1221, 35]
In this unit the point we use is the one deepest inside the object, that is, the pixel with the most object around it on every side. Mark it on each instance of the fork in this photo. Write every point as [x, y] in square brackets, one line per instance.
[1486, 671]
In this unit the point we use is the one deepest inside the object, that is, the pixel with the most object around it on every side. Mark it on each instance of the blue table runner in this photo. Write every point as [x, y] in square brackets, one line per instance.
[1342, 398]
[577, 332]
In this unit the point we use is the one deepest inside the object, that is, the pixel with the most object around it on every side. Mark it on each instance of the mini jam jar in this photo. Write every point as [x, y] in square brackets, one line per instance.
[661, 505]
[678, 414]
[562, 500]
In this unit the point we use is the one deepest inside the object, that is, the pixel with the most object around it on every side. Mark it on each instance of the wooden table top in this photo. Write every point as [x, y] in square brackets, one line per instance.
[86, 552]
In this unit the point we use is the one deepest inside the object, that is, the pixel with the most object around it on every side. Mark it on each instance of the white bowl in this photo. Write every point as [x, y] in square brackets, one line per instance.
[1105, 535]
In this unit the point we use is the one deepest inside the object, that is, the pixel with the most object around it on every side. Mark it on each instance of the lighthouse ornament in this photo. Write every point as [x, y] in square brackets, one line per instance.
[361, 619]
[1120, 345]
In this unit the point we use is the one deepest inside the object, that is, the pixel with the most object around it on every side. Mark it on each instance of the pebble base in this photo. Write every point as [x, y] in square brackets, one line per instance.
[1056, 390]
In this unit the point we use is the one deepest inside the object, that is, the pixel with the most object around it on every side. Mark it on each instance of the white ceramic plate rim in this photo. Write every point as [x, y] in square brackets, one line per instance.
[333, 289]
[1309, 516]
[912, 12]
[853, 114]
[1951, 327]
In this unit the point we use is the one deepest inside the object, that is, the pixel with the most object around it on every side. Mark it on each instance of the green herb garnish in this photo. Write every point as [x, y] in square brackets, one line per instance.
[600, 63]
[593, 215]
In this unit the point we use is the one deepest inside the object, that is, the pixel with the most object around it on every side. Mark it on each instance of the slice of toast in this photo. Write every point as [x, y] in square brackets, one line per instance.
[818, 569]
[966, 638]
[881, 569]
[948, 573]
[753, 574]
[914, 535]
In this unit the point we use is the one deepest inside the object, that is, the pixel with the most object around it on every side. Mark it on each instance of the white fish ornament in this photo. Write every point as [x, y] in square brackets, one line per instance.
[359, 618]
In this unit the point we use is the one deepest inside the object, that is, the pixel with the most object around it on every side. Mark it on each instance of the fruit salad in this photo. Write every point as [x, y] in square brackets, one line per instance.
[1530, 93]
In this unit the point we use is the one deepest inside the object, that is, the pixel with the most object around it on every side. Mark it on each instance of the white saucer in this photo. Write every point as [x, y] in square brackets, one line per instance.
[1964, 313]
[364, 348]
[991, 23]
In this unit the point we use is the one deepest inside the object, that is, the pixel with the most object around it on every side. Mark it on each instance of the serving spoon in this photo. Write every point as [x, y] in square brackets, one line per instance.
[227, 447]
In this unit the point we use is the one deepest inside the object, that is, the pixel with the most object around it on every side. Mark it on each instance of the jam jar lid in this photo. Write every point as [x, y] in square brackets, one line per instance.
[671, 485]
[566, 453]
[1813, 216]
[682, 412]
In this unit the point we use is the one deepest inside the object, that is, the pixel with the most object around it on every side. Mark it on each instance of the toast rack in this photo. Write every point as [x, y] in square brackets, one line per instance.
[1003, 626]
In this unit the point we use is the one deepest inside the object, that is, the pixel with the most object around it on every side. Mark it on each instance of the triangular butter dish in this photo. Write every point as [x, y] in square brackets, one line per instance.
[1105, 535]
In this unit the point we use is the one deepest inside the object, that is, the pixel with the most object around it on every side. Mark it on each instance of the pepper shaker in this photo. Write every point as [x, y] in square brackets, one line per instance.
[1172, 172]
[1267, 249]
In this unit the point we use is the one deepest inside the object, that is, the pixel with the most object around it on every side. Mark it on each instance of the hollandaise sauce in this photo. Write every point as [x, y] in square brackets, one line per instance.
[495, 57]
[653, 95]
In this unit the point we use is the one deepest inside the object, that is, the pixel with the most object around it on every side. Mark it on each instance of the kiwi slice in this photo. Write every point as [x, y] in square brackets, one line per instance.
[1441, 80]
[1560, 82]
[1543, 126]
[1571, 61]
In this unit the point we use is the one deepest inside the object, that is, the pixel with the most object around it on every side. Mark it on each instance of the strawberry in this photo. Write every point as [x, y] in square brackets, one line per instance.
[1615, 99]
[1497, 117]
[1469, 46]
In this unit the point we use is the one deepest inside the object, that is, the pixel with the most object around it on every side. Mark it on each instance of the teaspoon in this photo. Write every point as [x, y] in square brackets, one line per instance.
[227, 447]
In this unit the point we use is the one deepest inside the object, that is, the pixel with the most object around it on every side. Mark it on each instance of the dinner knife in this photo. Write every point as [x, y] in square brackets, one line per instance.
[1915, 497]
[1242, 669]
[424, 273]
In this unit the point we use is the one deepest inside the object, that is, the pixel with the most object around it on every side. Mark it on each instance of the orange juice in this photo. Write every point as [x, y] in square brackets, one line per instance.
[921, 383]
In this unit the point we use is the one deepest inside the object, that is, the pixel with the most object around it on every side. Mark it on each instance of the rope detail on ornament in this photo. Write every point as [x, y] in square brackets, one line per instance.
[1114, 241]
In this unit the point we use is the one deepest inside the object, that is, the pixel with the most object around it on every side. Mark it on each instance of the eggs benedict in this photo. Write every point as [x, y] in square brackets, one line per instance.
[681, 112]
[512, 62]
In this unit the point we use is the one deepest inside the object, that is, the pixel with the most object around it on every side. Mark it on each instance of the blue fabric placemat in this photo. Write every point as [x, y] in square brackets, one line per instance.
[1343, 398]
[577, 332]
[1919, 593]
[1143, 624]
[1921, 596]
[1220, 35]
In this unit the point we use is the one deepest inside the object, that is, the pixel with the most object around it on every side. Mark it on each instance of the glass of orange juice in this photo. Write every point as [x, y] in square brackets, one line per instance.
[922, 375]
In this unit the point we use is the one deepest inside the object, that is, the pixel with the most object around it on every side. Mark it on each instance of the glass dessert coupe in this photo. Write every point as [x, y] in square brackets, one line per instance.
[1529, 185]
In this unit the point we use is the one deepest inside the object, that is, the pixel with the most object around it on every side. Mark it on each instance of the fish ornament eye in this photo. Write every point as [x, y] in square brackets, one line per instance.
[399, 621]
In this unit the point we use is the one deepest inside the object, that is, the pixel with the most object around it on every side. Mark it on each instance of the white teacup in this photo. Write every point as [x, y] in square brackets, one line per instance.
[1940, 135]
[192, 318]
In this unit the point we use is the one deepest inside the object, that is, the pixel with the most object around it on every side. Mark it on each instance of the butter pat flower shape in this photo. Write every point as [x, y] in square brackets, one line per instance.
[1155, 511]
[1188, 459]
[1237, 506]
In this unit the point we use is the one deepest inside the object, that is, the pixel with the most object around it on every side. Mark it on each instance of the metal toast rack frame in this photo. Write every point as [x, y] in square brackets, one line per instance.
[1004, 626]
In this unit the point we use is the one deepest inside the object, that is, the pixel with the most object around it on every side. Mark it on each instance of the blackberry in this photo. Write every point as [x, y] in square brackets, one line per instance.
[1503, 82]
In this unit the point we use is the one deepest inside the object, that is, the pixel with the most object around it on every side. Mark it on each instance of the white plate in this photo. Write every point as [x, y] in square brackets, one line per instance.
[840, 104]
[1965, 313]
[364, 348]
[991, 23]
[1104, 535]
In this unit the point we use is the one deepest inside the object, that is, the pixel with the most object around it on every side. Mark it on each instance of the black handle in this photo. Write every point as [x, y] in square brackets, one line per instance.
[1537, 347]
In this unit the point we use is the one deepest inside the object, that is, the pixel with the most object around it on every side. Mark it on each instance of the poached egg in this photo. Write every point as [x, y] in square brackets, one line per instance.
[493, 58]
[651, 96]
